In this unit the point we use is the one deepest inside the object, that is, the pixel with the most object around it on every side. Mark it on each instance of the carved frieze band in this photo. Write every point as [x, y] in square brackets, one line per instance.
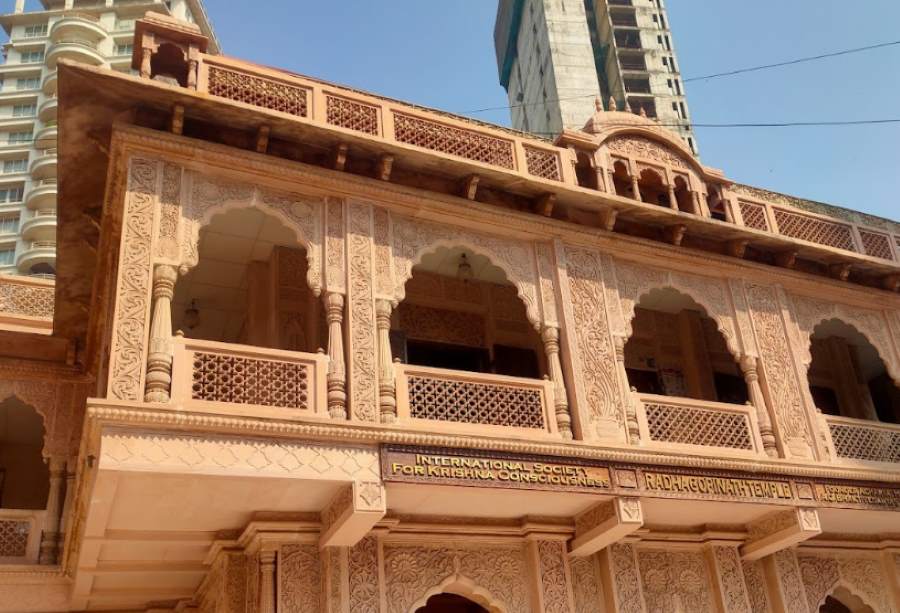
[361, 314]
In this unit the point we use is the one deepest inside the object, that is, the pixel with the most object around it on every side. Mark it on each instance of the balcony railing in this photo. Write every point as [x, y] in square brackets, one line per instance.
[410, 126]
[673, 421]
[21, 296]
[427, 394]
[20, 535]
[206, 374]
[857, 439]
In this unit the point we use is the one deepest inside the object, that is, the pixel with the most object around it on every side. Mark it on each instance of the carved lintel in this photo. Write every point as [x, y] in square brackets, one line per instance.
[340, 157]
[352, 514]
[839, 271]
[675, 233]
[608, 219]
[262, 139]
[605, 524]
[786, 259]
[780, 530]
[177, 125]
[544, 205]
[385, 164]
[891, 283]
[470, 186]
[737, 248]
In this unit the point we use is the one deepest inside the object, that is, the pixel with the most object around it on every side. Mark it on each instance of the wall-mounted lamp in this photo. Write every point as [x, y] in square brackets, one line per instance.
[192, 316]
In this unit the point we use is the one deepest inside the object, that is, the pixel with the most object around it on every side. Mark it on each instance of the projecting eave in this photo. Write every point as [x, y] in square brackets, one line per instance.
[93, 99]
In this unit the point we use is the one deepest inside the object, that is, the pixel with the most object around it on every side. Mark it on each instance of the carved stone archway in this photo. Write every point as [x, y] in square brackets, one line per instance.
[210, 196]
[41, 398]
[870, 323]
[635, 281]
[413, 239]
[468, 589]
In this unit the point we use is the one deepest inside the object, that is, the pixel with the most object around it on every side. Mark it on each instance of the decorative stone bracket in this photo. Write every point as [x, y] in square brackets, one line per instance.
[353, 512]
[779, 531]
[605, 524]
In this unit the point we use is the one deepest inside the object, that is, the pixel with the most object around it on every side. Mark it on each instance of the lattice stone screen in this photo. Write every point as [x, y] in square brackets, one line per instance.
[14, 538]
[455, 141]
[754, 215]
[814, 230]
[866, 443]
[227, 378]
[446, 399]
[258, 91]
[544, 164]
[876, 244]
[670, 423]
[26, 300]
[351, 114]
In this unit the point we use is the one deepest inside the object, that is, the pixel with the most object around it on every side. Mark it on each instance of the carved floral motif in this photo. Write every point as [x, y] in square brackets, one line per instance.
[129, 339]
[363, 384]
[335, 273]
[362, 571]
[586, 585]
[626, 578]
[756, 586]
[170, 212]
[554, 583]
[731, 579]
[791, 582]
[384, 287]
[675, 580]
[640, 146]
[299, 579]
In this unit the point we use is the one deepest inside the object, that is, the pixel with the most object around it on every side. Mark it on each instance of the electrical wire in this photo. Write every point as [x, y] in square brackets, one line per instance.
[703, 78]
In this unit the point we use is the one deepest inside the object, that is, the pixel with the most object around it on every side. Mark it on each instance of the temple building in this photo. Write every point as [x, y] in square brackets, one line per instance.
[311, 349]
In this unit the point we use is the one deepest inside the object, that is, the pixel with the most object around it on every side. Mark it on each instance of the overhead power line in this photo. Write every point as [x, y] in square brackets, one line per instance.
[705, 77]
[770, 124]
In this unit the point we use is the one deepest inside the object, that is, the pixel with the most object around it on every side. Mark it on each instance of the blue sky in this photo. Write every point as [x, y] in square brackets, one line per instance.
[440, 53]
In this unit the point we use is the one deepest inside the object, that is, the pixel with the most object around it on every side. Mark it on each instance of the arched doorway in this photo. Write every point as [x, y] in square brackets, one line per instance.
[249, 286]
[24, 477]
[676, 349]
[847, 376]
[450, 603]
[842, 600]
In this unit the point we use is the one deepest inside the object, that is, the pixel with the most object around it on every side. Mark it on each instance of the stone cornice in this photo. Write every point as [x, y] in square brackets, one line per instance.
[101, 413]
[315, 181]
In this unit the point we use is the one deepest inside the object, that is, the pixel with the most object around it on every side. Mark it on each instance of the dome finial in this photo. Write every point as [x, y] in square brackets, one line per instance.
[612, 104]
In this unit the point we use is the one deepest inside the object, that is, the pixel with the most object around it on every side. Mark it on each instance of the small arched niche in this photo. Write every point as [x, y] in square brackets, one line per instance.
[847, 376]
[446, 602]
[460, 312]
[170, 64]
[622, 180]
[249, 286]
[24, 477]
[653, 188]
[676, 349]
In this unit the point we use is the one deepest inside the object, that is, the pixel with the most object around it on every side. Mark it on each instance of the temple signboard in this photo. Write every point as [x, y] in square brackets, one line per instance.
[492, 469]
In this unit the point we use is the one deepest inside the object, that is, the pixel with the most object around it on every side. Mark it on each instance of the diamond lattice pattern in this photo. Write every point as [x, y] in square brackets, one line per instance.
[754, 215]
[814, 230]
[475, 403]
[25, 300]
[228, 378]
[695, 426]
[258, 91]
[455, 141]
[875, 244]
[544, 164]
[351, 115]
[864, 443]
[14, 538]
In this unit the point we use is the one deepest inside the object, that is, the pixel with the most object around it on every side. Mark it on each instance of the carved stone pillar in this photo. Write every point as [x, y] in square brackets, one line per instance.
[550, 336]
[673, 201]
[48, 553]
[267, 581]
[159, 358]
[71, 466]
[337, 370]
[631, 421]
[192, 74]
[146, 56]
[635, 188]
[387, 397]
[758, 400]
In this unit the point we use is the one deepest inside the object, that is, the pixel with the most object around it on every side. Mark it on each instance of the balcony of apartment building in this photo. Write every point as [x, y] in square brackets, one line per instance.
[75, 37]
[40, 226]
[49, 84]
[627, 38]
[46, 110]
[857, 396]
[44, 164]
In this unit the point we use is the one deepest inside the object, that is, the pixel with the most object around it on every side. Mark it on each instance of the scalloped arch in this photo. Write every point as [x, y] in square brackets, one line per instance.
[35, 397]
[663, 139]
[851, 598]
[301, 215]
[462, 586]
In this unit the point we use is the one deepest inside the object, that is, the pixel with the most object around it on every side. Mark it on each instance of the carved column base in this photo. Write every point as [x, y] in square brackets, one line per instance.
[49, 548]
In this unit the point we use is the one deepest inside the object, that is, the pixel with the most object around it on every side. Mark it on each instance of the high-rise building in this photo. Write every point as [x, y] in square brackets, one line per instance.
[99, 33]
[556, 56]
